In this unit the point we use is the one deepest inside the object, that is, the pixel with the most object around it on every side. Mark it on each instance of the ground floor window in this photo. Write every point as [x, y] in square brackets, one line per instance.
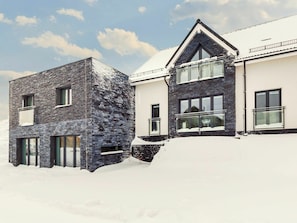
[67, 151]
[154, 122]
[268, 110]
[29, 151]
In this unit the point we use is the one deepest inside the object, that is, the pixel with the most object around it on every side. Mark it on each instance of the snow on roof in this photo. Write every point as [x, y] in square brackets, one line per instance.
[155, 66]
[252, 42]
[267, 38]
[102, 68]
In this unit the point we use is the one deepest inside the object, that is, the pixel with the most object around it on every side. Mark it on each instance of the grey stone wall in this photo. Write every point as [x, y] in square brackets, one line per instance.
[44, 132]
[145, 152]
[223, 85]
[112, 115]
[44, 84]
[102, 111]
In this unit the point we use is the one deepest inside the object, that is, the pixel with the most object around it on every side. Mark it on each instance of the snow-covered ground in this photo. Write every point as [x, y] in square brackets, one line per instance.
[201, 180]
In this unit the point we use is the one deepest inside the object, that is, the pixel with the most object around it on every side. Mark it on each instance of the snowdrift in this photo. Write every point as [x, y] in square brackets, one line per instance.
[195, 179]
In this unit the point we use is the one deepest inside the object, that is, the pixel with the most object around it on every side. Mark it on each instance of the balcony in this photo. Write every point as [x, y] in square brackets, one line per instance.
[154, 126]
[269, 118]
[26, 116]
[200, 121]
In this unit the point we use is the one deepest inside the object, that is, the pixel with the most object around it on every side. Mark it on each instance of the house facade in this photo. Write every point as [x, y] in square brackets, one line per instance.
[239, 82]
[77, 115]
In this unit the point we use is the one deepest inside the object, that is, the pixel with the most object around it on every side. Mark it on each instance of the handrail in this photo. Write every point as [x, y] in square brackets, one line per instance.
[190, 114]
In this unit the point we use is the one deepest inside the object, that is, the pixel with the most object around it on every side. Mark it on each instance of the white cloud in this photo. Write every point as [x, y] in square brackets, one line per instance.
[23, 20]
[227, 15]
[124, 42]
[61, 46]
[4, 20]
[52, 19]
[142, 9]
[71, 12]
[91, 2]
[10, 74]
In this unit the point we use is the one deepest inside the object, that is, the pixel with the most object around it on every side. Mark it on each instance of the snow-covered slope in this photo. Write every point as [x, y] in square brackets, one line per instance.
[202, 179]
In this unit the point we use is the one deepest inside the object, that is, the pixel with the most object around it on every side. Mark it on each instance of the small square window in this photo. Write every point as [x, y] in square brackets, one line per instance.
[64, 96]
[28, 101]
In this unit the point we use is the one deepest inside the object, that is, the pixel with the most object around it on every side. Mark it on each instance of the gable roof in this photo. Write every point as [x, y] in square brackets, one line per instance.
[198, 28]
[265, 39]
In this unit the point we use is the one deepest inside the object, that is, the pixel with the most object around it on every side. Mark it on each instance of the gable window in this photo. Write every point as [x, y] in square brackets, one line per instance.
[200, 71]
[28, 101]
[201, 114]
[64, 96]
[268, 112]
[200, 54]
[154, 122]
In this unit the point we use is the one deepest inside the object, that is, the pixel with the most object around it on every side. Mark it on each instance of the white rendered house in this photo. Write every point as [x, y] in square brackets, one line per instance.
[266, 76]
[255, 89]
[151, 96]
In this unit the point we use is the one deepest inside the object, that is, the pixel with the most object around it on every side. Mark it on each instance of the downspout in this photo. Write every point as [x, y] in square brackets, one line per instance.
[245, 97]
[167, 83]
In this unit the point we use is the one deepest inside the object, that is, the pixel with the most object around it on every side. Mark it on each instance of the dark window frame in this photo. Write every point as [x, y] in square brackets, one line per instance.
[267, 97]
[56, 150]
[199, 52]
[24, 155]
[200, 103]
[25, 100]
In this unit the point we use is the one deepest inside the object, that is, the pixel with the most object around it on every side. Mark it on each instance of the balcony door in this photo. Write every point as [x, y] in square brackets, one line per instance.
[268, 109]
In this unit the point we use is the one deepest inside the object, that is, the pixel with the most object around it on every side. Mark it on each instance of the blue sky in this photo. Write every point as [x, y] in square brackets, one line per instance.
[39, 35]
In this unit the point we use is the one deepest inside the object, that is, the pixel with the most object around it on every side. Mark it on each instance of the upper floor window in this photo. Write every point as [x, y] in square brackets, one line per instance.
[200, 71]
[28, 101]
[64, 96]
[200, 54]
[209, 103]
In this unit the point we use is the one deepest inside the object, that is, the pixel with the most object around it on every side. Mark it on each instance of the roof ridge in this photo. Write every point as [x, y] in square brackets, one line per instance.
[259, 24]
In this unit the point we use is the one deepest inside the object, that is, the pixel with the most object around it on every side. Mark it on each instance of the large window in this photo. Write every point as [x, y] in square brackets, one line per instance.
[64, 96]
[200, 71]
[268, 111]
[29, 151]
[201, 114]
[67, 151]
[204, 104]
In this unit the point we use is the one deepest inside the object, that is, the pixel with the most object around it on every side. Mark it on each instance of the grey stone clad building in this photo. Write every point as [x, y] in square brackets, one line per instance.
[202, 85]
[78, 115]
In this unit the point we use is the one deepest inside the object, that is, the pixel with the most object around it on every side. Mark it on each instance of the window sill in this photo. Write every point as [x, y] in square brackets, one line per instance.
[112, 152]
[63, 106]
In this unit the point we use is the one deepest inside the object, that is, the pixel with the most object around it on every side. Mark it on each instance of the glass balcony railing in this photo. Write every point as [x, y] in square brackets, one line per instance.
[269, 117]
[201, 121]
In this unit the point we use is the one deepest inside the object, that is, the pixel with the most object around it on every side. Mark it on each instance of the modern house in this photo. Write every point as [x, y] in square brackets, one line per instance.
[77, 115]
[211, 84]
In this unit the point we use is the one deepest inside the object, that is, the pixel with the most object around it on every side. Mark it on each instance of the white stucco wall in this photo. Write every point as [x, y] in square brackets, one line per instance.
[147, 95]
[279, 73]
